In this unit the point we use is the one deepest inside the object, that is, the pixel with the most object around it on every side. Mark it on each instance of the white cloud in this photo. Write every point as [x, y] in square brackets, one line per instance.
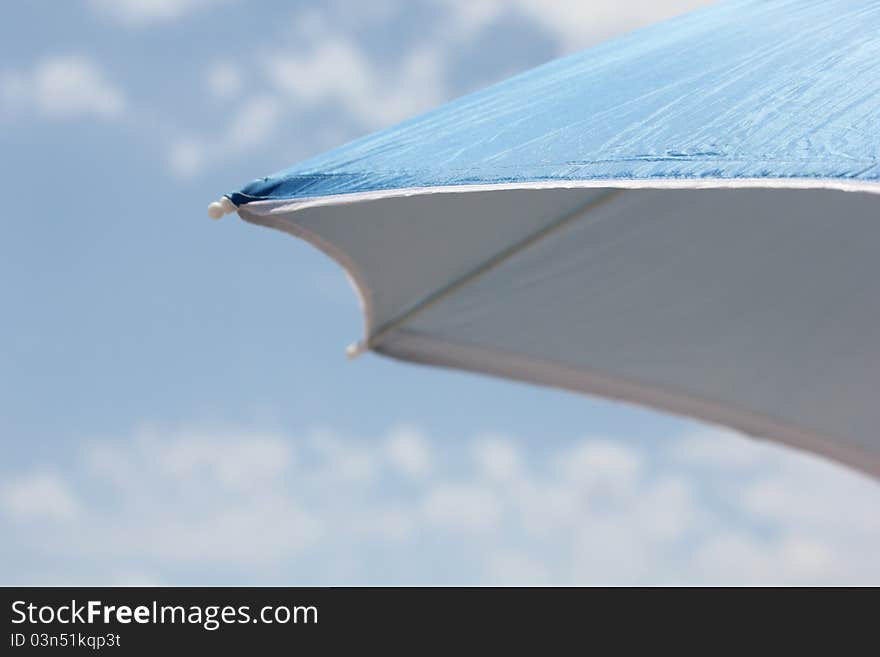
[498, 458]
[724, 449]
[338, 72]
[40, 496]
[409, 452]
[135, 578]
[253, 124]
[322, 508]
[462, 507]
[736, 559]
[601, 467]
[232, 463]
[187, 156]
[515, 566]
[62, 87]
[326, 70]
[146, 12]
[575, 23]
[192, 496]
[224, 80]
[341, 463]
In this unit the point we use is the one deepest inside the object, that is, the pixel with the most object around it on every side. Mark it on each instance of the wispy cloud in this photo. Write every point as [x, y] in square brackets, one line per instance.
[253, 124]
[576, 24]
[333, 73]
[138, 13]
[322, 508]
[339, 72]
[61, 87]
[41, 496]
[225, 80]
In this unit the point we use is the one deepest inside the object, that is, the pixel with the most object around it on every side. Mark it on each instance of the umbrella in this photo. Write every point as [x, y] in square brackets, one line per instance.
[686, 218]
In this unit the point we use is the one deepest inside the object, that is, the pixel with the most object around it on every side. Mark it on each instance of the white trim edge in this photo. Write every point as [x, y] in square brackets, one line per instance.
[265, 207]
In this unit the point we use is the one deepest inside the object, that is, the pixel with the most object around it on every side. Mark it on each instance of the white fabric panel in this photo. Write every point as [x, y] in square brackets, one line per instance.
[400, 250]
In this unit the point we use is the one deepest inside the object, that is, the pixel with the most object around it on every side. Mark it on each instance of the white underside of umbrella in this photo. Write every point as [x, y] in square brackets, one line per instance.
[750, 303]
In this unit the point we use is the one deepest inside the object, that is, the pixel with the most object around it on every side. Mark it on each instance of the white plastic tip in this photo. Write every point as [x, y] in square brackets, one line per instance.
[218, 208]
[354, 350]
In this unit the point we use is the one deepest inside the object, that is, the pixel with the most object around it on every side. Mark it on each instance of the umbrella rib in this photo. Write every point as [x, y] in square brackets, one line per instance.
[433, 298]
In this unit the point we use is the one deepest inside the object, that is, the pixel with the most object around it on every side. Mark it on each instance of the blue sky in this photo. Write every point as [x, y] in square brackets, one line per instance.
[176, 405]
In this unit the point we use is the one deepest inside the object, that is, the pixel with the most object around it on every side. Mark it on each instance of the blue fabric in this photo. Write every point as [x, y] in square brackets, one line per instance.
[743, 89]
